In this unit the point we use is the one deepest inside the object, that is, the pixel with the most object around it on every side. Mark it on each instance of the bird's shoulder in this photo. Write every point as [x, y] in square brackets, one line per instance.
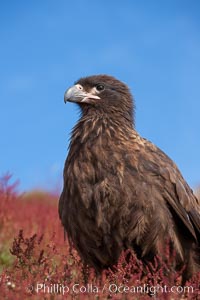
[158, 169]
[163, 177]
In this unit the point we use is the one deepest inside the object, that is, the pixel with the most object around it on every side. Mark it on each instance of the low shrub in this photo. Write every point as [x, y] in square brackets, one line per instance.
[36, 261]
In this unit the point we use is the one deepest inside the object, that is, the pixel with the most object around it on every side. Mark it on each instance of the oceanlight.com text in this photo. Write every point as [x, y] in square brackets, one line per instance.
[111, 288]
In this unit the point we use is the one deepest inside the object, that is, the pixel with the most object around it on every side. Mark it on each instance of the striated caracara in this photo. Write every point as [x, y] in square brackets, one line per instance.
[121, 191]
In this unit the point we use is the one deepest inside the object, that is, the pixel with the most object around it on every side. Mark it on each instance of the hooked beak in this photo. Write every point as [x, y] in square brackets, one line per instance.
[77, 94]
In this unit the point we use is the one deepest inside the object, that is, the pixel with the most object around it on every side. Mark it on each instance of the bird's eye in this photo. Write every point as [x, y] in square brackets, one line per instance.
[100, 87]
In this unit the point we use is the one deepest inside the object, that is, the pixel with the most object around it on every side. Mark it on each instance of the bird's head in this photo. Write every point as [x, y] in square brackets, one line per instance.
[104, 94]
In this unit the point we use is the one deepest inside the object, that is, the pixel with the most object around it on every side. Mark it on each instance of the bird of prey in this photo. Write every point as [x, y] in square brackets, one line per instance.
[121, 191]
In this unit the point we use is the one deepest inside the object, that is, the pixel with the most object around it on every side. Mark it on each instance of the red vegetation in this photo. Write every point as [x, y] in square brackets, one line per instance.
[37, 263]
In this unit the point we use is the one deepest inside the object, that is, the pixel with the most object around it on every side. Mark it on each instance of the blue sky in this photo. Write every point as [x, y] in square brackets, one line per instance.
[153, 46]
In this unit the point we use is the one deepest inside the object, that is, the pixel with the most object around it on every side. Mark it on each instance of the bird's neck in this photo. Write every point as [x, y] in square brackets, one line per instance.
[109, 114]
[96, 125]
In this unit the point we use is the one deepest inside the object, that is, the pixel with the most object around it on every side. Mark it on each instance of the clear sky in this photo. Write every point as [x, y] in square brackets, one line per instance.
[153, 46]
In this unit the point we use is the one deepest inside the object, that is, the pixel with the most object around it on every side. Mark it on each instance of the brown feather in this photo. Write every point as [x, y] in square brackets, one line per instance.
[121, 191]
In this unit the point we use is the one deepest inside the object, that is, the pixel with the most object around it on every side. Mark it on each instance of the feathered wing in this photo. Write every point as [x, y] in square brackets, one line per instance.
[180, 197]
[175, 206]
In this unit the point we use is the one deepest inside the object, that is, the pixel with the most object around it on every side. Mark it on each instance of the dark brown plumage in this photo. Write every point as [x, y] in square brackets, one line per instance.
[121, 191]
